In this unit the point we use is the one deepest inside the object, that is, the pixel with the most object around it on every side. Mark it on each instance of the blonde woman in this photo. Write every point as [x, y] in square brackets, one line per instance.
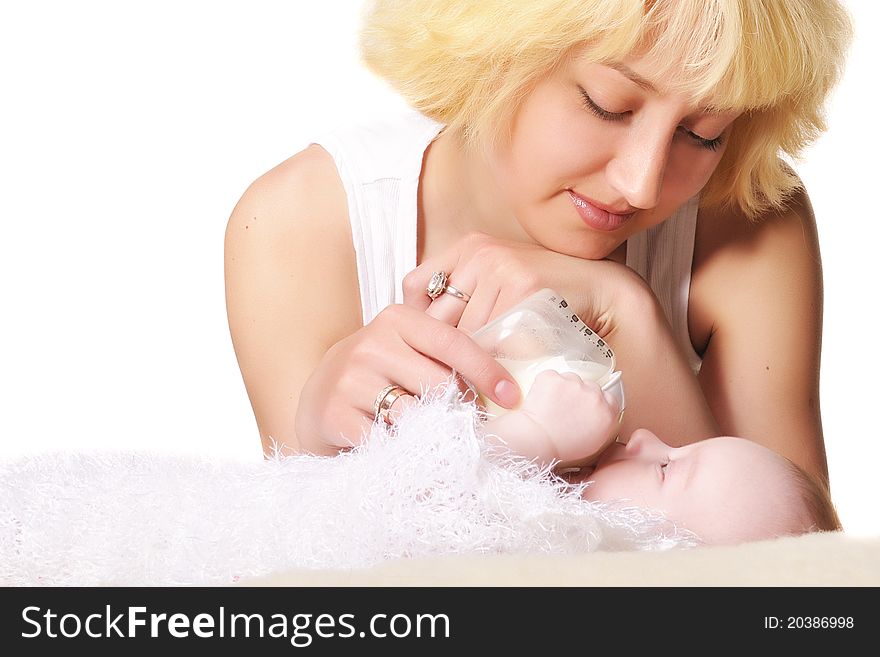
[625, 153]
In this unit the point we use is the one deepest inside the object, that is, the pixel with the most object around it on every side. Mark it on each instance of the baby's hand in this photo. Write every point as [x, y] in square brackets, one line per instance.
[579, 418]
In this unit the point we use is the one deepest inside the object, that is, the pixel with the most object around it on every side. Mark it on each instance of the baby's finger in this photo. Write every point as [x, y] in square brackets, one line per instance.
[572, 376]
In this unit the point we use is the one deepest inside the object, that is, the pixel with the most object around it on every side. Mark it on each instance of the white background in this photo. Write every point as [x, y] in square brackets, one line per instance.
[128, 131]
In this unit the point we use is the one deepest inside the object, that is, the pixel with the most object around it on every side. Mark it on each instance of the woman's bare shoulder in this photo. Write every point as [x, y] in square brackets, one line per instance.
[722, 231]
[298, 206]
[290, 233]
[307, 181]
[736, 257]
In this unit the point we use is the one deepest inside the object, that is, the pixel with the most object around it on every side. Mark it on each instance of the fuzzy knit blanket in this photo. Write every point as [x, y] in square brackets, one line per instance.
[428, 487]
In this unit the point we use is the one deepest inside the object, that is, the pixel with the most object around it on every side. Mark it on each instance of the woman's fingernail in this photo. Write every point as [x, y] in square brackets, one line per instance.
[507, 393]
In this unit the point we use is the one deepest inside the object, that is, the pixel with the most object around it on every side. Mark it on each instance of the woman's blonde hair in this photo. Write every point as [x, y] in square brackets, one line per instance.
[469, 64]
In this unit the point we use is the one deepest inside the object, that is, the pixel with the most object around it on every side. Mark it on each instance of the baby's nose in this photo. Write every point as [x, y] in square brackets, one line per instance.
[642, 441]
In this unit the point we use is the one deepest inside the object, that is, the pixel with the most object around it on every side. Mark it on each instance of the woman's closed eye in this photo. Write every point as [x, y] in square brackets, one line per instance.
[605, 115]
[602, 113]
[711, 144]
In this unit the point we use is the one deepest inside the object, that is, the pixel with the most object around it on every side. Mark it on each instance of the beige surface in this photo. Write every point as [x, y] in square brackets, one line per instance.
[811, 560]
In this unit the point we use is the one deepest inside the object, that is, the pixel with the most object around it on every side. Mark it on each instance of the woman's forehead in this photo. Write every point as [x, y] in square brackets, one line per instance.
[660, 82]
[661, 77]
[690, 49]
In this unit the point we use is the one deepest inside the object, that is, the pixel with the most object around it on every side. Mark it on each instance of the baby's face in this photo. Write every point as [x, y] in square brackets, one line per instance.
[725, 490]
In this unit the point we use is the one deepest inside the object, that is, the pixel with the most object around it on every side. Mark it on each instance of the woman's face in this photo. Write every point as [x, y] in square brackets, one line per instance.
[726, 490]
[599, 152]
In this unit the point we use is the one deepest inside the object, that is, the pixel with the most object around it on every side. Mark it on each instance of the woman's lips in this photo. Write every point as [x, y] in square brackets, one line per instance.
[595, 217]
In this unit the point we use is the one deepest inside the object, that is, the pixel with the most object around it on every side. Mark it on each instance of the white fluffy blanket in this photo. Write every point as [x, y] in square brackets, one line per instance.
[430, 488]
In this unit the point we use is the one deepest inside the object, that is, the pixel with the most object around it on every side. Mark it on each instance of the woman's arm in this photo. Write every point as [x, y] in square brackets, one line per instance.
[287, 226]
[760, 288]
[311, 369]
[662, 393]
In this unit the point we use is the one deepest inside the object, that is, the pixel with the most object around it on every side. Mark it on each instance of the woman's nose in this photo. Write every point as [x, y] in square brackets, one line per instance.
[637, 171]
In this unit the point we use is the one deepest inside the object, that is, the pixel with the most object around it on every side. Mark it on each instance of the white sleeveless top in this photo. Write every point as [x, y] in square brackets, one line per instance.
[380, 164]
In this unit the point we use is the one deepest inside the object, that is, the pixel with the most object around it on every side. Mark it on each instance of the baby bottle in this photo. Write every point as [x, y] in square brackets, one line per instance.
[543, 333]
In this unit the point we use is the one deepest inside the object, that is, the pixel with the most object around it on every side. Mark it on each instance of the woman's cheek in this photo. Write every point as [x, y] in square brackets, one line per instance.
[546, 159]
[689, 172]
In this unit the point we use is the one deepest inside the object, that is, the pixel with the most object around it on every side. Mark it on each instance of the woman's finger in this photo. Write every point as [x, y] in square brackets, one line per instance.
[355, 423]
[352, 428]
[400, 406]
[447, 308]
[456, 350]
[415, 283]
[479, 309]
[416, 373]
[472, 314]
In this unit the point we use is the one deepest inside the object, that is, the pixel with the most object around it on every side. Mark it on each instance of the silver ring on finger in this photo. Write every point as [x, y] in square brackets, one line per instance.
[437, 284]
[454, 291]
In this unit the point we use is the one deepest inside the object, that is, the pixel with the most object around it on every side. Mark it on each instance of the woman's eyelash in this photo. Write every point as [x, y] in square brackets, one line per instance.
[590, 104]
[711, 144]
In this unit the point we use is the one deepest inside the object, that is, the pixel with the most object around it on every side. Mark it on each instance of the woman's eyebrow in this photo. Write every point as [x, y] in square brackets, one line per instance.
[632, 75]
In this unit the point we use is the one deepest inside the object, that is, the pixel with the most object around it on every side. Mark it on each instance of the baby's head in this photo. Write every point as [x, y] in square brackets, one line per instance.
[725, 490]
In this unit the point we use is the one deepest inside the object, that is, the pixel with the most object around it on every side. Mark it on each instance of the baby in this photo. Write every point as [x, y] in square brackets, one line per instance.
[725, 490]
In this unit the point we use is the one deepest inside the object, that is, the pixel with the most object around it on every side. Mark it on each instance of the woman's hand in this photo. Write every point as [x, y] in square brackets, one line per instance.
[662, 393]
[401, 346]
[498, 274]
